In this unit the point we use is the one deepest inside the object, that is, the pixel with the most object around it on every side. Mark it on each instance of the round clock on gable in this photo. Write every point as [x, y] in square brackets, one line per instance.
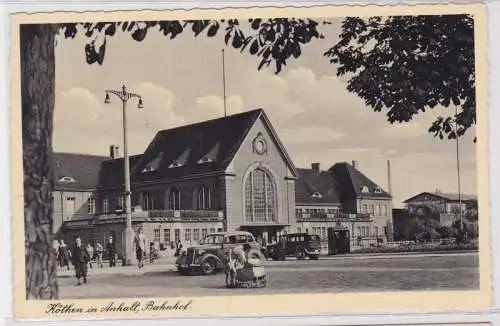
[259, 145]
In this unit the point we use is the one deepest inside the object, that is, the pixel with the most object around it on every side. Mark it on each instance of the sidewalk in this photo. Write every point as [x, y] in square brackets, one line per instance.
[164, 264]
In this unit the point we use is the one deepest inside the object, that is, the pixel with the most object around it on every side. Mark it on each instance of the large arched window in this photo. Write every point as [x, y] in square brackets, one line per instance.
[260, 197]
[147, 201]
[174, 199]
[204, 198]
[105, 205]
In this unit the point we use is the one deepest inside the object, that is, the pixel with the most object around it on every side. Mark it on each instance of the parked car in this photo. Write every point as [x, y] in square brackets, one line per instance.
[209, 256]
[299, 245]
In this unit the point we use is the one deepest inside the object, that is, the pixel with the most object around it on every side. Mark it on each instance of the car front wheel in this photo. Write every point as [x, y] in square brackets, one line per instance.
[208, 266]
[314, 257]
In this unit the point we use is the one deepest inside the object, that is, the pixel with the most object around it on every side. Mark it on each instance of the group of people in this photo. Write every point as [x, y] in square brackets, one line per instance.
[82, 257]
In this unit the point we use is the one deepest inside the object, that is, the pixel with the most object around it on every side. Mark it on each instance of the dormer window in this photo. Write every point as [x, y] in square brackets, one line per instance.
[205, 160]
[181, 160]
[378, 190]
[364, 189]
[66, 179]
[211, 156]
[153, 165]
[316, 195]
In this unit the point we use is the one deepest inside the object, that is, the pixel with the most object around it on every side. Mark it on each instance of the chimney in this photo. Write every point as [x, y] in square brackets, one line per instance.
[355, 164]
[113, 151]
[389, 183]
[315, 167]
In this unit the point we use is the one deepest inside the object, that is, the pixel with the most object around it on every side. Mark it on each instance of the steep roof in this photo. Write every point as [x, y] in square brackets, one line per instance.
[76, 171]
[203, 147]
[446, 196]
[356, 182]
[111, 172]
[311, 182]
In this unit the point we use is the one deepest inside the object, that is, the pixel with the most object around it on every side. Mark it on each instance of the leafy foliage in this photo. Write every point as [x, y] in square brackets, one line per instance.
[407, 64]
[273, 40]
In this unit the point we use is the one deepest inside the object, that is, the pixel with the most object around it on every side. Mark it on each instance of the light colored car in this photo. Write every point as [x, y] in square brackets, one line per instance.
[209, 256]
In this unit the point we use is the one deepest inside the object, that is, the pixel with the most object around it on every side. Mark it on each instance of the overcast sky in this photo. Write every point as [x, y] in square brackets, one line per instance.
[317, 119]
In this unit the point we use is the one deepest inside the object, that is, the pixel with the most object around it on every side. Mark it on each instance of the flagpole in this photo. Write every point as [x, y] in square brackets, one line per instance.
[224, 82]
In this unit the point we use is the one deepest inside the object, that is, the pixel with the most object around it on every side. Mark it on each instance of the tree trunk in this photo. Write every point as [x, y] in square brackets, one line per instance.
[37, 90]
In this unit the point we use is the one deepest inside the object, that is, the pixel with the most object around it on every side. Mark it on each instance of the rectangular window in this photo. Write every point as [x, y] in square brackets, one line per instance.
[212, 230]
[91, 205]
[166, 236]
[359, 231]
[219, 230]
[187, 235]
[69, 207]
[203, 233]
[105, 205]
[196, 235]
[372, 209]
[364, 208]
[177, 235]
[156, 233]
[376, 231]
[323, 233]
[299, 230]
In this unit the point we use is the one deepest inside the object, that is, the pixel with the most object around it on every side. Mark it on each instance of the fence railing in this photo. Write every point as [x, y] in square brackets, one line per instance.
[324, 216]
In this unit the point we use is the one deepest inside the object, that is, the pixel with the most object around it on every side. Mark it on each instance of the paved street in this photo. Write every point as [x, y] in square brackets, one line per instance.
[330, 274]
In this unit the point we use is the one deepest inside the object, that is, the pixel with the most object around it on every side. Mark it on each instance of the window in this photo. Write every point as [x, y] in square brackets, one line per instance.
[376, 231]
[299, 230]
[260, 197]
[91, 205]
[187, 235]
[364, 208]
[66, 179]
[378, 190]
[204, 198]
[174, 199]
[377, 210]
[153, 165]
[316, 195]
[69, 207]
[166, 236]
[177, 235]
[203, 233]
[323, 232]
[219, 230]
[196, 235]
[147, 201]
[364, 189]
[359, 231]
[105, 205]
[121, 202]
[212, 231]
[156, 233]
[372, 209]
[383, 210]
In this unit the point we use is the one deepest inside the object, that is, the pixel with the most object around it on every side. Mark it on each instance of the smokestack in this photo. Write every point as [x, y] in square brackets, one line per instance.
[113, 151]
[315, 167]
[389, 183]
[355, 164]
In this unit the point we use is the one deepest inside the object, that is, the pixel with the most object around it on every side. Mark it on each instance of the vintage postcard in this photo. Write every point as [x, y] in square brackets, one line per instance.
[253, 161]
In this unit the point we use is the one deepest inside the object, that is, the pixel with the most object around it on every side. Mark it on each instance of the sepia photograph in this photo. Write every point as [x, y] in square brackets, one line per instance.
[241, 154]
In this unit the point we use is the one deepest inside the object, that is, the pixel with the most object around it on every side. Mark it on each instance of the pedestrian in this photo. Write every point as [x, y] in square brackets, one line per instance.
[98, 253]
[55, 248]
[90, 250]
[172, 246]
[139, 247]
[111, 248]
[64, 255]
[80, 257]
[178, 248]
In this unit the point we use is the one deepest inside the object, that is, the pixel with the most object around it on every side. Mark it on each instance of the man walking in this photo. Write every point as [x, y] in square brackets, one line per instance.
[111, 248]
[140, 247]
[80, 257]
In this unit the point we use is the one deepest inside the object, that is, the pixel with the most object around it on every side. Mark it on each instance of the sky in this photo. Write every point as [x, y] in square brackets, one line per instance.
[316, 118]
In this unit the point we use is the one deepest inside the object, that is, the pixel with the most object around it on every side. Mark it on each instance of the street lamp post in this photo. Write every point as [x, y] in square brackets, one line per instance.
[124, 96]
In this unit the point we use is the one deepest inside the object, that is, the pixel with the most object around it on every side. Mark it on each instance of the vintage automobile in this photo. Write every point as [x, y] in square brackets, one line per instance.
[209, 256]
[299, 245]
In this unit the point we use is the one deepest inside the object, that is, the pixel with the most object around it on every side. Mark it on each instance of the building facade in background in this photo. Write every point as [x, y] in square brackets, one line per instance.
[231, 173]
